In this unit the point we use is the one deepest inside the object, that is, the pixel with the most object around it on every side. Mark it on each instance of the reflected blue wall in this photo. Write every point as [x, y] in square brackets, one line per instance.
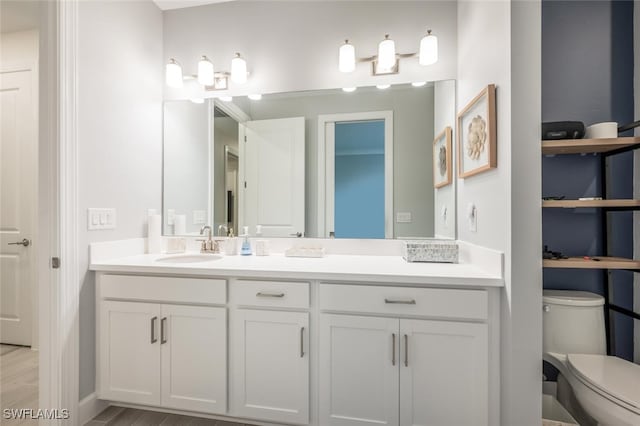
[359, 179]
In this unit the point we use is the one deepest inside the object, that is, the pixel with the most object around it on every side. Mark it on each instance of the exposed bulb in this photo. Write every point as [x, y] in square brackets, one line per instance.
[349, 89]
[255, 96]
[383, 86]
[418, 83]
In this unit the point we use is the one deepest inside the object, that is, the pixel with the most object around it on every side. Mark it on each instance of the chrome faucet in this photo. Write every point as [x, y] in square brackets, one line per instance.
[220, 228]
[208, 245]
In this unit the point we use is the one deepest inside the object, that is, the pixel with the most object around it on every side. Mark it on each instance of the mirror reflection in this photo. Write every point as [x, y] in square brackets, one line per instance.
[325, 163]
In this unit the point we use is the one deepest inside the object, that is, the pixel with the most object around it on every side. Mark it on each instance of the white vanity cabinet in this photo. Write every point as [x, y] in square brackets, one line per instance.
[402, 371]
[162, 354]
[270, 349]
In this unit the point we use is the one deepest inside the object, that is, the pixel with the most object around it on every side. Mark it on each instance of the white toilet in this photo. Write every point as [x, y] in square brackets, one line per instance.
[607, 388]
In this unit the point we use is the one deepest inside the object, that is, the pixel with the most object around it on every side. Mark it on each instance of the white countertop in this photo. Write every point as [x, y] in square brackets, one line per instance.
[333, 267]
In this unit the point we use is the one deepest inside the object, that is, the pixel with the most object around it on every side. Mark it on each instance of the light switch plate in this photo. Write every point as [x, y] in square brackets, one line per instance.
[199, 217]
[403, 217]
[100, 219]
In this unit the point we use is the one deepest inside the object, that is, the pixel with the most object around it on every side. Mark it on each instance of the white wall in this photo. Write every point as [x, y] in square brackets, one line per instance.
[120, 69]
[444, 106]
[293, 46]
[499, 42]
[187, 139]
[413, 131]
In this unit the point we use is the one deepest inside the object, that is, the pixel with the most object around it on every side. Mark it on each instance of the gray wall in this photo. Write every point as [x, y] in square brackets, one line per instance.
[120, 71]
[412, 154]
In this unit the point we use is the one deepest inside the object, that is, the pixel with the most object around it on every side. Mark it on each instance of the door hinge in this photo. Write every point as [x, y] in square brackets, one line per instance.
[55, 262]
[245, 184]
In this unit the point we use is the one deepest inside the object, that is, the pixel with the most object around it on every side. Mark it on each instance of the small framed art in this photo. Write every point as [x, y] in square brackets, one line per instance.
[442, 159]
[476, 146]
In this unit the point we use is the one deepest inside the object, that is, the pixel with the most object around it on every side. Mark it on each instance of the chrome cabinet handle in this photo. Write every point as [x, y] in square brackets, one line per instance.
[302, 342]
[406, 350]
[261, 294]
[393, 349]
[400, 302]
[163, 337]
[25, 242]
[296, 234]
[153, 330]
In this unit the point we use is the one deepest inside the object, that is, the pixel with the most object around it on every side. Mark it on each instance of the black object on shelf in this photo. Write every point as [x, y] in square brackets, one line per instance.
[555, 130]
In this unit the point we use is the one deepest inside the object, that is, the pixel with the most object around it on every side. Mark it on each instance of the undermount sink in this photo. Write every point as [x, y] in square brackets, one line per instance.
[189, 258]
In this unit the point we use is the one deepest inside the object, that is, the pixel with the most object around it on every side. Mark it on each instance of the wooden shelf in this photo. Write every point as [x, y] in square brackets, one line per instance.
[574, 204]
[604, 263]
[587, 146]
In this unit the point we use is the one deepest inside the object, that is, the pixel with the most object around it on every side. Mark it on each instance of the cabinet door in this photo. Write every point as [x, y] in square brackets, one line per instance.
[194, 358]
[359, 359]
[443, 373]
[129, 357]
[271, 380]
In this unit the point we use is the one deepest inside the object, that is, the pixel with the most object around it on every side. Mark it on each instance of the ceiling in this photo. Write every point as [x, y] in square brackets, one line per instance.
[179, 4]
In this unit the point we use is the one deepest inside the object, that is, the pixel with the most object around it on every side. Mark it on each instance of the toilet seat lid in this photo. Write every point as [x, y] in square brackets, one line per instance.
[614, 377]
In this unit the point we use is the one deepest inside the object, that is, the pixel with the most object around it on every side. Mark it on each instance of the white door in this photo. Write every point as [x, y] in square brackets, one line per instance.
[271, 352]
[273, 176]
[18, 174]
[129, 363]
[194, 358]
[443, 373]
[359, 359]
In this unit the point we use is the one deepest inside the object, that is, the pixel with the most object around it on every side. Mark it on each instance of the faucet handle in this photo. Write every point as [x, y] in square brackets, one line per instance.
[203, 245]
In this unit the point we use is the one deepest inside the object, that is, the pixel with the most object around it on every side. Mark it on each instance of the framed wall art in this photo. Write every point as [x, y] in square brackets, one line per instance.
[442, 159]
[476, 135]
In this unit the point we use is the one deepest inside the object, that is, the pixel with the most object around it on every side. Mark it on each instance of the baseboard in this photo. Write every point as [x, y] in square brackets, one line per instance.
[89, 407]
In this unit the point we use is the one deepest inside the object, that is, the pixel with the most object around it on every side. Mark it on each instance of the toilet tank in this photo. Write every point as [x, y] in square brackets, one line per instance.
[573, 322]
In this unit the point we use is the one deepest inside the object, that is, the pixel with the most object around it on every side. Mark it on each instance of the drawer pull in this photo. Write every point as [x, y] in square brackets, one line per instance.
[163, 336]
[261, 294]
[393, 349]
[302, 342]
[400, 302]
[153, 330]
[406, 350]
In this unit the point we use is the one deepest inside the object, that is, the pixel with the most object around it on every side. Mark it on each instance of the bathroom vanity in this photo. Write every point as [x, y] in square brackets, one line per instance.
[340, 340]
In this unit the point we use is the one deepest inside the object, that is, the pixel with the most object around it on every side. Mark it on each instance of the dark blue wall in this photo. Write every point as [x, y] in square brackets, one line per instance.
[587, 75]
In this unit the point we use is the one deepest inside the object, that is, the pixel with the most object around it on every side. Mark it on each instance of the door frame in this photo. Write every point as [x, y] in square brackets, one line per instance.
[325, 203]
[58, 213]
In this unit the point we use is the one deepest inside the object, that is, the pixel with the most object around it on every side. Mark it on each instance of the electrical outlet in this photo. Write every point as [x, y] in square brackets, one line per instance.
[403, 217]
[100, 219]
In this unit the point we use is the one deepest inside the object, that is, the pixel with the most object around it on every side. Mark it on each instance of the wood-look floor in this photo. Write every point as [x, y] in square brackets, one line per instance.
[18, 381]
[130, 416]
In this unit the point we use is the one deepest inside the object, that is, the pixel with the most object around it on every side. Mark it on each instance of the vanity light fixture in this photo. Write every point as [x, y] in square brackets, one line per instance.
[173, 74]
[386, 55]
[349, 89]
[347, 57]
[428, 49]
[206, 75]
[418, 83]
[387, 60]
[255, 96]
[383, 86]
[238, 70]
[226, 98]
[205, 72]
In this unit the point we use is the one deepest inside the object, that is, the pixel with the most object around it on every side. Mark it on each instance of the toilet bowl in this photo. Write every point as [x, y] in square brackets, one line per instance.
[606, 387]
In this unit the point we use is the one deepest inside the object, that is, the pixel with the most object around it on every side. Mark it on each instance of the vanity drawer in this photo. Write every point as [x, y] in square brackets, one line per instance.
[164, 289]
[271, 293]
[429, 302]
